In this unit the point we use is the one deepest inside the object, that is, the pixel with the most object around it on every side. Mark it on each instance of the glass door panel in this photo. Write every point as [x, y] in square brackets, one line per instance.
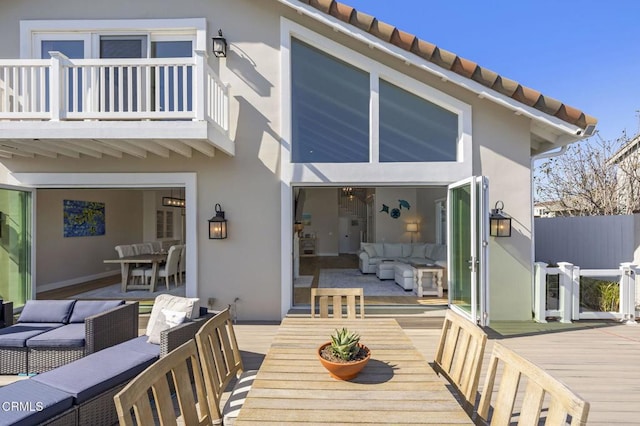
[460, 247]
[15, 245]
[174, 78]
[72, 49]
[117, 82]
[467, 244]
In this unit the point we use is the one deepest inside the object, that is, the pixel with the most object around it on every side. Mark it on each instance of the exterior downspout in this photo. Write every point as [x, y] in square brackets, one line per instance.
[552, 154]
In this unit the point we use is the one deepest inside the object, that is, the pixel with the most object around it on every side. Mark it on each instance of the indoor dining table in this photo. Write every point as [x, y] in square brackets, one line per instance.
[155, 259]
[397, 386]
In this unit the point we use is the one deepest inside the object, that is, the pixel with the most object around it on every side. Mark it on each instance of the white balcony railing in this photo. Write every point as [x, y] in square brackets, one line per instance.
[113, 89]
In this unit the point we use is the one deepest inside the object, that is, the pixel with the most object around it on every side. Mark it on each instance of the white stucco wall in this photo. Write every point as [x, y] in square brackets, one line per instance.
[247, 266]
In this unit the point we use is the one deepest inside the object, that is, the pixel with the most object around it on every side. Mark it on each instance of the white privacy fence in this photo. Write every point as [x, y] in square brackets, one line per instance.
[108, 89]
[557, 292]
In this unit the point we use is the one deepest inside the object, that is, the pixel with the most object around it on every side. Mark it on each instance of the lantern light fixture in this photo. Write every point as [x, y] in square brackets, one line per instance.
[499, 223]
[219, 45]
[218, 225]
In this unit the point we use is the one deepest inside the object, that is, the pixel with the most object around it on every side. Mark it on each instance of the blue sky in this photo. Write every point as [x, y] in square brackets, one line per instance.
[584, 53]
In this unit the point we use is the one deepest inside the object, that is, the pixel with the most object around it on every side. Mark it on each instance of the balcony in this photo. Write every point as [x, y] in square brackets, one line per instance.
[112, 107]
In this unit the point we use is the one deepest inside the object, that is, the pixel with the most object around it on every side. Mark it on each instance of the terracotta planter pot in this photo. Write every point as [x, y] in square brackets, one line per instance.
[343, 370]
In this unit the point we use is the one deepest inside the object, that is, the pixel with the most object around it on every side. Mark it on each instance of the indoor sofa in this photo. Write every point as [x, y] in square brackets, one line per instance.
[51, 333]
[371, 254]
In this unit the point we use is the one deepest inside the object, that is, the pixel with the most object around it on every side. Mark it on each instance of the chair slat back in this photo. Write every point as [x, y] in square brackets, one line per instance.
[459, 355]
[336, 296]
[219, 356]
[541, 389]
[170, 374]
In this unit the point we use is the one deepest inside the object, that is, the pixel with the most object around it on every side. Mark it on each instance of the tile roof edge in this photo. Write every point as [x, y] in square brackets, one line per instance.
[452, 62]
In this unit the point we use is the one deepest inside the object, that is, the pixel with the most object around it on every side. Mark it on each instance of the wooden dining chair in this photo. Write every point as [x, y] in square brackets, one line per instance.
[543, 396]
[221, 363]
[337, 295]
[149, 398]
[459, 356]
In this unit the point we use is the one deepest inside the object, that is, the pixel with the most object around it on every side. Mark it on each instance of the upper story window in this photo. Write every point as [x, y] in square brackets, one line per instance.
[335, 106]
[414, 129]
[330, 108]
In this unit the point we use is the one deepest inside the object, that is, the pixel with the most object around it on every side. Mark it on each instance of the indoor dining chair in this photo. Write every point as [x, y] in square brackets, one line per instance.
[139, 273]
[170, 268]
[333, 297]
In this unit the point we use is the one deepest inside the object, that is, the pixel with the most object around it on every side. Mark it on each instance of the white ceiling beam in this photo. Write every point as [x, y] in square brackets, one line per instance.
[176, 146]
[12, 151]
[96, 146]
[151, 146]
[28, 146]
[201, 146]
[124, 146]
[65, 145]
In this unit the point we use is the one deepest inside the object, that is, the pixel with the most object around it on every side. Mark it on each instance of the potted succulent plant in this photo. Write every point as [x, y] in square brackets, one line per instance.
[344, 356]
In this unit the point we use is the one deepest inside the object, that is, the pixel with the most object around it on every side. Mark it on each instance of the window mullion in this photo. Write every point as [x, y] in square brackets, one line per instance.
[374, 118]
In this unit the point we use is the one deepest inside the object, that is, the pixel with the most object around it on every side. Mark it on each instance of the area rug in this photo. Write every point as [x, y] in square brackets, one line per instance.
[348, 278]
[303, 281]
[113, 292]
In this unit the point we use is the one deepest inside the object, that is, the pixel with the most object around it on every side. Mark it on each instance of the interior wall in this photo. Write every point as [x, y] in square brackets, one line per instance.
[426, 207]
[63, 261]
[322, 205]
[392, 230]
[152, 202]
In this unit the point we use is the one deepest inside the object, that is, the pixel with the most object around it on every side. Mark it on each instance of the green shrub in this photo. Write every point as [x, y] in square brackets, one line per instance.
[599, 295]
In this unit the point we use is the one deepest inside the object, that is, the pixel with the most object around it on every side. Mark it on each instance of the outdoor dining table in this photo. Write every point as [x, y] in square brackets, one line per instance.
[155, 259]
[397, 386]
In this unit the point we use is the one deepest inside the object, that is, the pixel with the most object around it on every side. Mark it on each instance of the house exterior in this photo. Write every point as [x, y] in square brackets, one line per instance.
[310, 94]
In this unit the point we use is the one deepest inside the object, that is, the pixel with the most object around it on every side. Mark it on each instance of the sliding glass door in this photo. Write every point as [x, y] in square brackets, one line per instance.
[15, 245]
[467, 243]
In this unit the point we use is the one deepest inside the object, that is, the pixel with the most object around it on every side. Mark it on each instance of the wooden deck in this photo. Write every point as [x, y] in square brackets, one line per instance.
[598, 360]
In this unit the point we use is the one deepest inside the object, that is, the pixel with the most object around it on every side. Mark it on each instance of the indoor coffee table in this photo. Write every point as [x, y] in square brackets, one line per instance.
[436, 274]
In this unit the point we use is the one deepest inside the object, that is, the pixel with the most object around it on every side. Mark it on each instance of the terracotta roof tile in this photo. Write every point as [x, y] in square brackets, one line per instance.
[361, 20]
[506, 86]
[484, 76]
[403, 40]
[341, 11]
[526, 95]
[424, 49]
[382, 30]
[321, 5]
[548, 105]
[444, 58]
[453, 62]
[464, 67]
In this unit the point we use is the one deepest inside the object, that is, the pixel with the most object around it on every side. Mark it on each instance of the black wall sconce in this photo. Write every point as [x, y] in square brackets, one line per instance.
[219, 45]
[218, 225]
[499, 223]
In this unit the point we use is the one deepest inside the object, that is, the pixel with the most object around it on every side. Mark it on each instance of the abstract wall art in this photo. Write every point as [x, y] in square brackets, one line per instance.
[83, 218]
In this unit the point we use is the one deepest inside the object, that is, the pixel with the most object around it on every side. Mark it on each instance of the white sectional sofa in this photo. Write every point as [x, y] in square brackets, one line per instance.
[381, 259]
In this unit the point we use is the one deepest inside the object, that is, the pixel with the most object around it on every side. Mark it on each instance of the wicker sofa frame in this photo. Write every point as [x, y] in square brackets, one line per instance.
[101, 409]
[101, 331]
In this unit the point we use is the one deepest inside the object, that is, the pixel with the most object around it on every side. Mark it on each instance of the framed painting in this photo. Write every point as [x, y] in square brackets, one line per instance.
[83, 218]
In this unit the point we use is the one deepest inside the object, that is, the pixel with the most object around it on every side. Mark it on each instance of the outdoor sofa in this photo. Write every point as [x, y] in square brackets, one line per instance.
[6, 313]
[81, 392]
[51, 333]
